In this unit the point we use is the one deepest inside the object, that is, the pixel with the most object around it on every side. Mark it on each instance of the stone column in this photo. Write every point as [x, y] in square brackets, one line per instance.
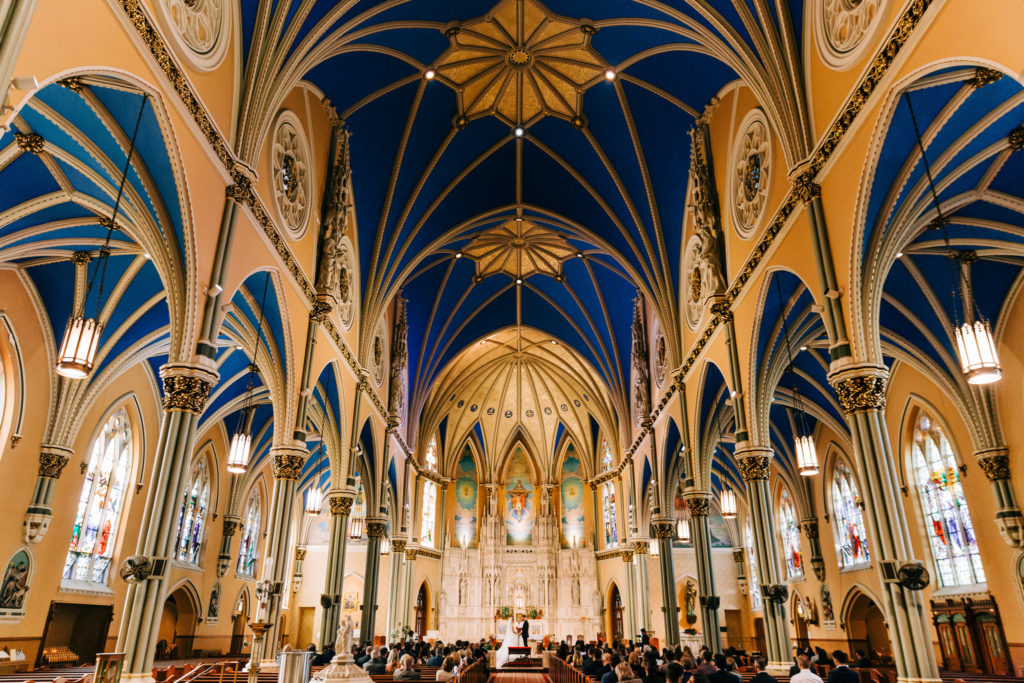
[330, 600]
[629, 622]
[186, 388]
[699, 504]
[641, 549]
[394, 622]
[861, 390]
[408, 588]
[995, 463]
[52, 460]
[665, 530]
[288, 462]
[376, 527]
[810, 527]
[754, 465]
[231, 525]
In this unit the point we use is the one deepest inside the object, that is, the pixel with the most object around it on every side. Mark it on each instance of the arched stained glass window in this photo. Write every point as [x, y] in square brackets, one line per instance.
[851, 537]
[755, 587]
[429, 510]
[192, 518]
[102, 502]
[611, 525]
[947, 519]
[430, 459]
[790, 531]
[250, 535]
[606, 456]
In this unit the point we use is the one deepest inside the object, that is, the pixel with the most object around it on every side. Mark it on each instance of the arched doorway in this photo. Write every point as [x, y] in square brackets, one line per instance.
[865, 625]
[616, 623]
[799, 615]
[177, 625]
[422, 611]
[239, 619]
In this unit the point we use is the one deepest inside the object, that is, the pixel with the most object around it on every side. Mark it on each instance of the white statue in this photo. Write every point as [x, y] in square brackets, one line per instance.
[343, 639]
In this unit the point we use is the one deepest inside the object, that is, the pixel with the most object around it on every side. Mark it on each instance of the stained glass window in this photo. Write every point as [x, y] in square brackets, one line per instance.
[611, 526]
[429, 510]
[606, 456]
[755, 587]
[192, 518]
[430, 459]
[851, 537]
[250, 535]
[790, 535]
[947, 519]
[102, 501]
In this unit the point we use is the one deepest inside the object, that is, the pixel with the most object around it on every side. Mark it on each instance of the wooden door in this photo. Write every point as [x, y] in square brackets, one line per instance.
[617, 622]
[993, 646]
[421, 612]
[947, 644]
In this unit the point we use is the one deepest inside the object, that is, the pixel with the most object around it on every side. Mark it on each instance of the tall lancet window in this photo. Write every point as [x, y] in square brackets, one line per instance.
[101, 503]
[790, 531]
[755, 587]
[247, 549]
[852, 540]
[607, 460]
[192, 518]
[429, 509]
[611, 523]
[947, 519]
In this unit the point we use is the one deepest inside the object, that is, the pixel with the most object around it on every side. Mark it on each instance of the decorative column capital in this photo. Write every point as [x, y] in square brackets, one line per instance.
[321, 312]
[398, 546]
[994, 462]
[860, 388]
[230, 526]
[641, 547]
[627, 556]
[804, 188]
[288, 461]
[186, 387]
[699, 504]
[754, 463]
[52, 460]
[663, 527]
[377, 527]
[240, 190]
[411, 553]
[341, 502]
[300, 554]
[81, 258]
[738, 556]
[810, 527]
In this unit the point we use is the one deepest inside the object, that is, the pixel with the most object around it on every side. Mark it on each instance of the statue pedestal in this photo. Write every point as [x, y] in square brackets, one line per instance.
[341, 668]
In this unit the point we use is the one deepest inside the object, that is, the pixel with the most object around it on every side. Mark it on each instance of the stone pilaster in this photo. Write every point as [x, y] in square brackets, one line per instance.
[995, 463]
[810, 527]
[231, 525]
[52, 461]
[641, 550]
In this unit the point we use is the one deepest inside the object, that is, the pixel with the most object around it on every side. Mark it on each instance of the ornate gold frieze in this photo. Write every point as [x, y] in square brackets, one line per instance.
[320, 313]
[737, 555]
[995, 467]
[30, 142]
[288, 466]
[754, 467]
[805, 189]
[860, 392]
[186, 393]
[240, 191]
[699, 506]
[51, 464]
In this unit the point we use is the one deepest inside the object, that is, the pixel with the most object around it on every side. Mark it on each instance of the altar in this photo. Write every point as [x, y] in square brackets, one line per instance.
[506, 576]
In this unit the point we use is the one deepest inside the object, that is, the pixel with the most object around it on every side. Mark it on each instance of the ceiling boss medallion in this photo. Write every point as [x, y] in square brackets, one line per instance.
[520, 63]
[519, 248]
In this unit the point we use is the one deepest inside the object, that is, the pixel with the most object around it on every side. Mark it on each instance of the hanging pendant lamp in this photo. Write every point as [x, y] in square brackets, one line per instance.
[241, 440]
[728, 503]
[315, 494]
[803, 439]
[975, 346]
[77, 355]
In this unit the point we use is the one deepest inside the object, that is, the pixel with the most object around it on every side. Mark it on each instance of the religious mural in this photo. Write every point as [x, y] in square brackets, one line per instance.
[519, 512]
[15, 584]
[572, 500]
[466, 490]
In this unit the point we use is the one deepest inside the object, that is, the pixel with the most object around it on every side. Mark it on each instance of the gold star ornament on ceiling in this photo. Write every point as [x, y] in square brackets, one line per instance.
[520, 63]
[519, 248]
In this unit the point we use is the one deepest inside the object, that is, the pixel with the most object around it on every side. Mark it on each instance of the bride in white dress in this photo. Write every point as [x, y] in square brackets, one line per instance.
[511, 639]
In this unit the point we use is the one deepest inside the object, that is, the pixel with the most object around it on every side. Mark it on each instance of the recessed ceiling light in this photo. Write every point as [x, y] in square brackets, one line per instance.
[147, 256]
[803, 348]
[519, 131]
[579, 254]
[899, 254]
[609, 75]
[519, 281]
[554, 341]
[429, 75]
[238, 347]
[458, 254]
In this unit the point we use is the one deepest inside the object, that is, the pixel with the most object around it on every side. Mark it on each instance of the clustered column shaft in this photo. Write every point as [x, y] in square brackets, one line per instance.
[699, 505]
[341, 508]
[664, 529]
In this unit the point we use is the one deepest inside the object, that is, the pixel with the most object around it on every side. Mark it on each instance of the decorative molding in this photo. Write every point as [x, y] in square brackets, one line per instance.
[300, 554]
[995, 466]
[30, 142]
[754, 467]
[699, 506]
[641, 547]
[1016, 138]
[186, 387]
[230, 527]
[341, 504]
[53, 460]
[860, 392]
[664, 527]
[377, 528]
[810, 527]
[288, 465]
[984, 76]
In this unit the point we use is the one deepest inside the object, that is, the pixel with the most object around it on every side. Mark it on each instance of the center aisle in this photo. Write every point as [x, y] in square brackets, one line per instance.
[506, 676]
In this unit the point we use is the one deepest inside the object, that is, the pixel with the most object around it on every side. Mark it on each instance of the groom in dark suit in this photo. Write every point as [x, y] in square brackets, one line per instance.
[526, 633]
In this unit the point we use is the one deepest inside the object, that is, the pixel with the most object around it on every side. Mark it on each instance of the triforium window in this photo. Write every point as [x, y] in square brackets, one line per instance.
[250, 535]
[611, 526]
[947, 519]
[851, 538]
[755, 587]
[192, 518]
[101, 503]
[790, 531]
[606, 456]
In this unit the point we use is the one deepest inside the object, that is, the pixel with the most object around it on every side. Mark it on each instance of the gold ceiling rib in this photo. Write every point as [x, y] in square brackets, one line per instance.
[519, 248]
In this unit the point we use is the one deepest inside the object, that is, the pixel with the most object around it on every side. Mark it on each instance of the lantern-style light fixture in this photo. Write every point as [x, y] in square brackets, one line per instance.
[355, 528]
[975, 346]
[241, 440]
[728, 503]
[77, 355]
[385, 546]
[803, 436]
[655, 551]
[315, 494]
[683, 530]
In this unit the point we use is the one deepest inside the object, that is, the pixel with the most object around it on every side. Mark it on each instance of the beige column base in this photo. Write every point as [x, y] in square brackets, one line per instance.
[778, 668]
